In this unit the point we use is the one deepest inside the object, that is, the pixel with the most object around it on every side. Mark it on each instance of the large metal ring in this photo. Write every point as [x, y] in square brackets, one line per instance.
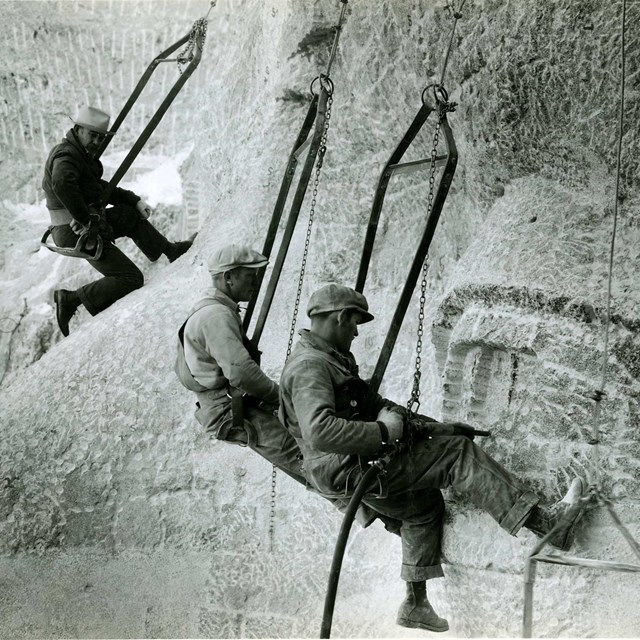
[325, 82]
[424, 96]
[440, 95]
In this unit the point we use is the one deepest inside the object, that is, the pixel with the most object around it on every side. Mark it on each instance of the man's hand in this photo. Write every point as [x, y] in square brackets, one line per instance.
[394, 423]
[88, 232]
[144, 209]
[78, 227]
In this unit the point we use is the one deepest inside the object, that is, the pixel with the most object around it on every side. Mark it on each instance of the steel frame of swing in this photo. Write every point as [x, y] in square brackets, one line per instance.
[79, 250]
[393, 166]
[316, 118]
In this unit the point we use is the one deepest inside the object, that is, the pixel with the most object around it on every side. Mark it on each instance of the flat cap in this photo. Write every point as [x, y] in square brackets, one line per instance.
[335, 297]
[233, 256]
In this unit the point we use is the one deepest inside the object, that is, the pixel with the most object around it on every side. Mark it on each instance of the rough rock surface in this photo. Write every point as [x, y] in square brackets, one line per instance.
[118, 518]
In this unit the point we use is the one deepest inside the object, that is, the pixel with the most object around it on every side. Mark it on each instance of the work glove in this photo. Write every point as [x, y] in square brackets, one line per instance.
[394, 423]
[144, 209]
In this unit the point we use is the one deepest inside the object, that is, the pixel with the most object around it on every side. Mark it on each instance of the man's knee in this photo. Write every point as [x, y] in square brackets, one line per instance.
[123, 219]
[132, 280]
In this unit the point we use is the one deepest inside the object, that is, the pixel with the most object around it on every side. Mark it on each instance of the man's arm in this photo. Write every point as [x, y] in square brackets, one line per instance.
[314, 404]
[223, 340]
[64, 182]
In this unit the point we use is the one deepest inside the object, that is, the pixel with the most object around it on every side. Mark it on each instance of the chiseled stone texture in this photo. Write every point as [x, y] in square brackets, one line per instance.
[119, 518]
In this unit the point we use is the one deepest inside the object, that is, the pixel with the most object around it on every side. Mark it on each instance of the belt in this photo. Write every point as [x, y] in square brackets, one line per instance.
[60, 217]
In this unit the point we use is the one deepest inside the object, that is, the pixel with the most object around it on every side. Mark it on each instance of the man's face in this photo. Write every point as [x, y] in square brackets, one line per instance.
[90, 140]
[242, 283]
[346, 329]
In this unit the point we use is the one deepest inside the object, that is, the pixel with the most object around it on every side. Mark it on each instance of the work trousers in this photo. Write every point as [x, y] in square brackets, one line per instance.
[264, 433]
[414, 479]
[121, 276]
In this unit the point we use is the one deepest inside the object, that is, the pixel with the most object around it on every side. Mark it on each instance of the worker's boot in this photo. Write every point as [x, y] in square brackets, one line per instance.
[67, 303]
[175, 249]
[565, 514]
[416, 611]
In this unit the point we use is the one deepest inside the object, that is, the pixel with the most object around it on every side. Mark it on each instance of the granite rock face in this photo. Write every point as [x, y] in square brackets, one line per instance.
[119, 518]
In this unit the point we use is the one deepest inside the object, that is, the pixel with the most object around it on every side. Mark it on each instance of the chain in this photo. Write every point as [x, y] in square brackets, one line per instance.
[198, 33]
[321, 151]
[414, 401]
[305, 254]
[272, 513]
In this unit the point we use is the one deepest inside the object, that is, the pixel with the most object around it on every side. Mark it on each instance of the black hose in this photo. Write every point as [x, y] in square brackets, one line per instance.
[341, 543]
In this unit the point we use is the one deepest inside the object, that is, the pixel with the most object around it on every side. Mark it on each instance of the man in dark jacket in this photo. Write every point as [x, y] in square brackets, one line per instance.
[336, 447]
[74, 187]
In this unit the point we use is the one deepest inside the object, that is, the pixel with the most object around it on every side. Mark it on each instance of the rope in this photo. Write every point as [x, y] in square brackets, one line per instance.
[600, 393]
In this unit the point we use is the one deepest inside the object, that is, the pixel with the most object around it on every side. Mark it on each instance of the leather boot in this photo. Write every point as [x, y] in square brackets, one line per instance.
[67, 303]
[416, 611]
[175, 249]
[564, 515]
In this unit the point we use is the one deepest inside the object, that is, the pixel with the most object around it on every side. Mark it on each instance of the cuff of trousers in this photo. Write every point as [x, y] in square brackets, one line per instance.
[411, 573]
[518, 513]
[91, 308]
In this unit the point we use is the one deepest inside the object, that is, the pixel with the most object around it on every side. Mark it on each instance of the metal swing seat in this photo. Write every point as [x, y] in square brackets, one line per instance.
[190, 58]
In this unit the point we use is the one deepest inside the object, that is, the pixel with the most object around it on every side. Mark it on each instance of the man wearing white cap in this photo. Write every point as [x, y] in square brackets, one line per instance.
[337, 446]
[74, 186]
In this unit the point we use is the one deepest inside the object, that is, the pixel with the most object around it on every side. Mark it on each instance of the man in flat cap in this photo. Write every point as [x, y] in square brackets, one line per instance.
[237, 401]
[337, 445]
[74, 186]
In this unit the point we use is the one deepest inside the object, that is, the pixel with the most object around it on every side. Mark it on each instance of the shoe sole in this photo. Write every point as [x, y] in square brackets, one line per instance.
[411, 624]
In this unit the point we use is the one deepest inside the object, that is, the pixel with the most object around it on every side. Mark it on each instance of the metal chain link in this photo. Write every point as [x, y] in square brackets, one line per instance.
[321, 151]
[414, 401]
[272, 512]
[198, 32]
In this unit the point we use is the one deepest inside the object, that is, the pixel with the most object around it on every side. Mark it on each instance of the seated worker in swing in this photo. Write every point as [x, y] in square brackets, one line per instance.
[215, 358]
[336, 447]
[73, 185]
[237, 401]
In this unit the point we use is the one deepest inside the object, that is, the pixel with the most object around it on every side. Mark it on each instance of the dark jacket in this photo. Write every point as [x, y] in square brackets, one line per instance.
[315, 410]
[73, 180]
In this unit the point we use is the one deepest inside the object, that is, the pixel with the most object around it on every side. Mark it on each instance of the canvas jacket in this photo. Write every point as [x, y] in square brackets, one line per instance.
[215, 353]
[73, 180]
[314, 410]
